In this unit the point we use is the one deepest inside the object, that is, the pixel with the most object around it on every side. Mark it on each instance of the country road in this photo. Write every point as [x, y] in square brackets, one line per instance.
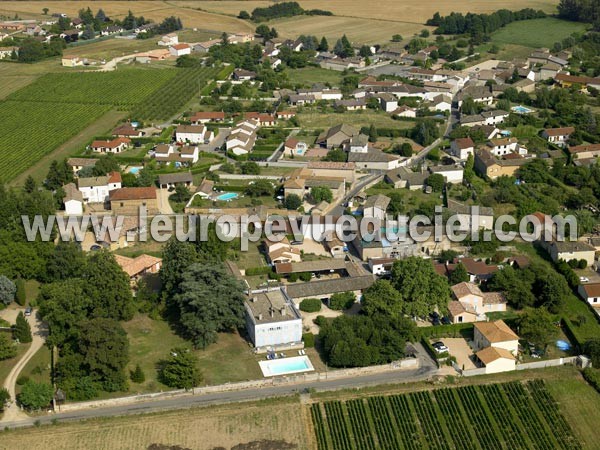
[39, 332]
[427, 370]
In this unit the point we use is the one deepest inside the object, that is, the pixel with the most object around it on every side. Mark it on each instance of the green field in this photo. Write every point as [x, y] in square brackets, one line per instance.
[537, 32]
[31, 130]
[512, 415]
[311, 75]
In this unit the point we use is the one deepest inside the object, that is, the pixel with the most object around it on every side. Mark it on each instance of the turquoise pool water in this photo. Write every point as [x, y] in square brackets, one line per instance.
[227, 196]
[284, 366]
[521, 109]
[135, 170]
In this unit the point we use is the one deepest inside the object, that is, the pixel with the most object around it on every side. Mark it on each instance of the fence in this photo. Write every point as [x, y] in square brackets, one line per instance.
[409, 363]
[547, 363]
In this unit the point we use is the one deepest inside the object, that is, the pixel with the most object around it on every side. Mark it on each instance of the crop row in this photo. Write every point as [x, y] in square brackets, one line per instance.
[338, 430]
[406, 421]
[360, 425]
[386, 429]
[563, 432]
[124, 87]
[317, 419]
[29, 131]
[482, 425]
[173, 96]
[428, 418]
[459, 430]
[519, 399]
[503, 415]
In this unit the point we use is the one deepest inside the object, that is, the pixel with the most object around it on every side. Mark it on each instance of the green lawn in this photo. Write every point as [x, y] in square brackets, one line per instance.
[228, 360]
[7, 364]
[314, 119]
[311, 75]
[537, 32]
[38, 367]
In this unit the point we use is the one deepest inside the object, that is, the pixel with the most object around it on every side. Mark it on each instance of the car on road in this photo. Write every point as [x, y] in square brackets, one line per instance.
[28, 311]
[584, 280]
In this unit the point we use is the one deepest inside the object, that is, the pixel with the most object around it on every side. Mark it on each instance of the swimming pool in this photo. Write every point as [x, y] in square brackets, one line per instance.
[520, 109]
[227, 196]
[286, 366]
[135, 170]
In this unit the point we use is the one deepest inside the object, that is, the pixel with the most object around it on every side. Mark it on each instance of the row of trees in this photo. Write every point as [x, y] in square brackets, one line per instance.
[479, 25]
[283, 9]
[579, 10]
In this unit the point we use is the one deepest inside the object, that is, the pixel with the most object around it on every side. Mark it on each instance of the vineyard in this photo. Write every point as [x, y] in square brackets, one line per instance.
[122, 88]
[173, 96]
[30, 130]
[38, 118]
[500, 416]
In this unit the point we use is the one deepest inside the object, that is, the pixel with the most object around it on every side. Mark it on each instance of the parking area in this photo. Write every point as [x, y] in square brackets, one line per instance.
[459, 348]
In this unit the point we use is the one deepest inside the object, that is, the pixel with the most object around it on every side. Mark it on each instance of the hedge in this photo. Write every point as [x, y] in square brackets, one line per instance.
[310, 305]
[440, 331]
[309, 340]
[592, 376]
[263, 270]
[570, 332]
[230, 188]
[20, 297]
[429, 349]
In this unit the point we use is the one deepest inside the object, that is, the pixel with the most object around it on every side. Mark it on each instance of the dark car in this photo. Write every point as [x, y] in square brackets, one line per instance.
[446, 320]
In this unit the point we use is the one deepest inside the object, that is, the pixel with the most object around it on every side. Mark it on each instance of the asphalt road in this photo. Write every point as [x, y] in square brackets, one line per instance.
[427, 370]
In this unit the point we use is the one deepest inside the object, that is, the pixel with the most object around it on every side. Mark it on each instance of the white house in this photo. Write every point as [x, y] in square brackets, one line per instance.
[452, 173]
[388, 102]
[467, 216]
[116, 145]
[462, 147]
[503, 146]
[194, 134]
[272, 319]
[97, 189]
[73, 200]
[169, 40]
[441, 103]
[381, 266]
[405, 111]
[185, 154]
[242, 137]
[180, 49]
[558, 136]
[496, 346]
[358, 144]
[6, 52]
[331, 94]
[474, 304]
[590, 292]
[376, 206]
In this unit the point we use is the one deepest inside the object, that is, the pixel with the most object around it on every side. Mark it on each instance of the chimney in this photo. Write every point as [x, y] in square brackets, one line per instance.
[260, 316]
[282, 311]
[271, 312]
[254, 299]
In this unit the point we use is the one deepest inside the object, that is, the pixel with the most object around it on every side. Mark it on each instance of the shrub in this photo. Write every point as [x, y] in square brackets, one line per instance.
[263, 270]
[310, 305]
[305, 276]
[582, 264]
[592, 376]
[342, 300]
[137, 375]
[293, 277]
[309, 340]
[20, 296]
[22, 380]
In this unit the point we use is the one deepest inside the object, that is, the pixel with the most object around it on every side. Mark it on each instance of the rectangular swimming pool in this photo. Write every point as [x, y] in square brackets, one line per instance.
[227, 196]
[286, 366]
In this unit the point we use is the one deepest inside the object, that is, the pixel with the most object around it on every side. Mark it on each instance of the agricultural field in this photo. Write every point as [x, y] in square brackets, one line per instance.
[513, 415]
[31, 130]
[111, 48]
[317, 120]
[16, 76]
[537, 33]
[277, 420]
[311, 75]
[121, 88]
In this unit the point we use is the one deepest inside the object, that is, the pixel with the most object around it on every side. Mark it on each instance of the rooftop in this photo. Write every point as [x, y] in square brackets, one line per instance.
[496, 331]
[271, 306]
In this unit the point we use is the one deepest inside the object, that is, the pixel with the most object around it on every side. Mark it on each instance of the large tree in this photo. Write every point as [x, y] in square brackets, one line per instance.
[420, 286]
[382, 298]
[8, 290]
[177, 256]
[66, 261]
[536, 326]
[35, 396]
[22, 330]
[209, 300]
[180, 370]
[7, 347]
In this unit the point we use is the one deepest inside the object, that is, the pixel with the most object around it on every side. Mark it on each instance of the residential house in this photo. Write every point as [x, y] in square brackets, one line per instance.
[112, 29]
[549, 71]
[169, 40]
[128, 201]
[178, 154]
[116, 145]
[204, 47]
[285, 115]
[405, 111]
[504, 146]
[71, 35]
[293, 146]
[76, 164]
[98, 189]
[351, 105]
[240, 38]
[243, 75]
[203, 117]
[585, 151]
[403, 177]
[334, 246]
[471, 217]
[73, 200]
[381, 266]
[388, 102]
[558, 136]
[172, 180]
[374, 159]
[7, 52]
[479, 94]
[281, 252]
[478, 270]
[496, 359]
[571, 250]
[127, 130]
[242, 138]
[205, 189]
[264, 120]
[178, 50]
[139, 266]
[145, 28]
[485, 118]
[272, 320]
[496, 346]
[194, 134]
[472, 305]
[452, 173]
[590, 292]
[337, 136]
[358, 143]
[488, 165]
[442, 103]
[462, 147]
[376, 206]
[301, 99]
[566, 81]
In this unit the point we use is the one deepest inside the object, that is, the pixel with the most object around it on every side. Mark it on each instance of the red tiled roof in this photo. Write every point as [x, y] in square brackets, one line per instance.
[133, 193]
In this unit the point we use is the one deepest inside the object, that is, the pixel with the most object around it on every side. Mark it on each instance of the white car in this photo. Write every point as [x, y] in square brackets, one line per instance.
[584, 280]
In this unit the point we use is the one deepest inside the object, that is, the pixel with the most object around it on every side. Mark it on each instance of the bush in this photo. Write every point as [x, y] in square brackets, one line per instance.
[22, 380]
[137, 375]
[293, 277]
[35, 395]
[20, 296]
[582, 264]
[342, 300]
[592, 376]
[263, 270]
[305, 276]
[309, 340]
[310, 305]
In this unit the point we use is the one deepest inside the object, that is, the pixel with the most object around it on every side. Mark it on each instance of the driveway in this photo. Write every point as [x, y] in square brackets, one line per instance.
[459, 348]
[163, 202]
[38, 330]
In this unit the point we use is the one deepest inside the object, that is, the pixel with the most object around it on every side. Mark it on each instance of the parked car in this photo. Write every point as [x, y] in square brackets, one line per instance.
[584, 280]
[28, 311]
[439, 347]
[446, 320]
